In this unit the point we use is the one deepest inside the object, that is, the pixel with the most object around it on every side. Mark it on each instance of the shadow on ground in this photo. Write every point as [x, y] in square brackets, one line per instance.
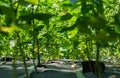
[53, 74]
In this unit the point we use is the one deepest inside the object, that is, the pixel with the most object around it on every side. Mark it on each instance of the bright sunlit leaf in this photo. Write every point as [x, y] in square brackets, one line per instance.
[72, 33]
[9, 29]
[6, 29]
[35, 2]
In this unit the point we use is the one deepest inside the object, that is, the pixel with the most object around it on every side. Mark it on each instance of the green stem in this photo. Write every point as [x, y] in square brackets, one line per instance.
[98, 67]
[34, 55]
[23, 56]
[34, 38]
[37, 43]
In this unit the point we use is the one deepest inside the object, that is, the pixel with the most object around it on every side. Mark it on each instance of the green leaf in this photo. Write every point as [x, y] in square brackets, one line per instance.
[66, 5]
[34, 2]
[101, 37]
[4, 33]
[84, 8]
[67, 29]
[104, 44]
[9, 18]
[5, 8]
[23, 2]
[25, 26]
[27, 18]
[24, 12]
[82, 24]
[24, 43]
[83, 29]
[112, 32]
[117, 19]
[97, 22]
[47, 35]
[99, 4]
[66, 17]
[6, 29]
[72, 33]
[42, 16]
[76, 43]
[39, 28]
[36, 31]
[107, 34]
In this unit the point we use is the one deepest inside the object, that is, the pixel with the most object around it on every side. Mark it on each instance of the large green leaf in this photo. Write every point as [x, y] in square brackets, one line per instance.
[23, 2]
[8, 11]
[35, 2]
[6, 29]
[47, 35]
[9, 19]
[39, 16]
[25, 26]
[104, 43]
[66, 17]
[28, 18]
[71, 6]
[117, 19]
[6, 8]
[24, 43]
[97, 22]
[99, 6]
[101, 36]
[4, 33]
[42, 16]
[85, 7]
[112, 32]
[37, 29]
[66, 5]
[82, 24]
[107, 34]
[76, 43]
[67, 29]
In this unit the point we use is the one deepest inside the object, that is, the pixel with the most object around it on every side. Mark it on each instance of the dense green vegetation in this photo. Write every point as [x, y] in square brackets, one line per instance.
[56, 29]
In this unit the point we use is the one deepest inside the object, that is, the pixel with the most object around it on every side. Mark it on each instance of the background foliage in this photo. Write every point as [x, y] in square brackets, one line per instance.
[72, 29]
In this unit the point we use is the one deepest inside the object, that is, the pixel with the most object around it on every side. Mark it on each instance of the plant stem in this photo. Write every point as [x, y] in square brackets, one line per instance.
[98, 67]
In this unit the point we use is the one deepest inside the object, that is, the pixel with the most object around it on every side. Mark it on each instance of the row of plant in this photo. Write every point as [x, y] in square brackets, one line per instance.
[55, 29]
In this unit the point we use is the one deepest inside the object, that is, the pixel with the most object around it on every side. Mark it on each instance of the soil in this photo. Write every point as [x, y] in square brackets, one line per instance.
[55, 71]
[66, 71]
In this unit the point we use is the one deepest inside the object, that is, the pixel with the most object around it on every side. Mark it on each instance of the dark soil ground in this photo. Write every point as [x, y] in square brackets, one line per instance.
[6, 70]
[66, 71]
[55, 71]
